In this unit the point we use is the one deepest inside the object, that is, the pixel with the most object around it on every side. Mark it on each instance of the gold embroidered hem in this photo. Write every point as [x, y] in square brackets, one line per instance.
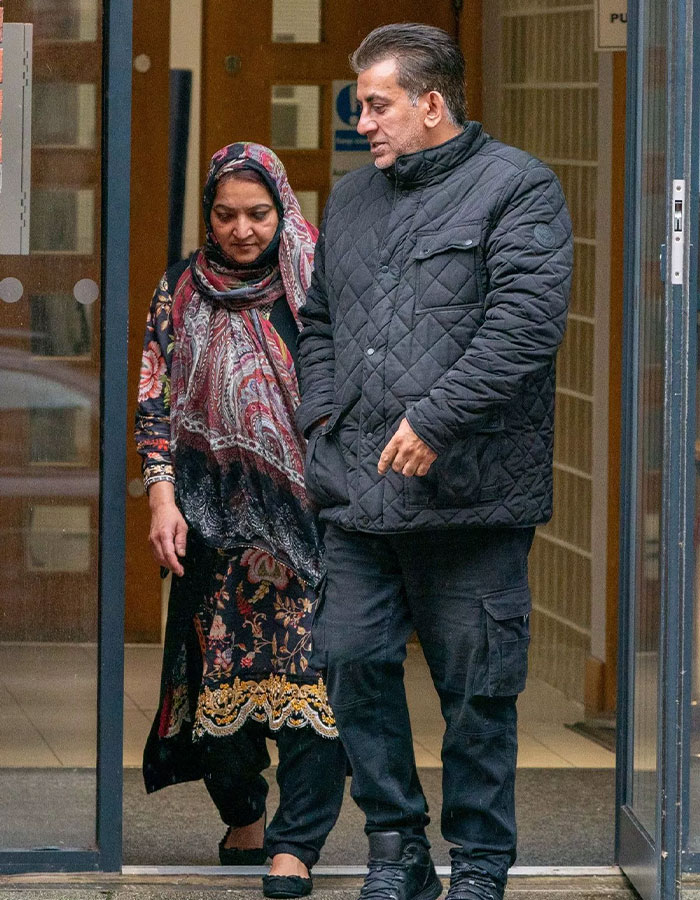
[274, 701]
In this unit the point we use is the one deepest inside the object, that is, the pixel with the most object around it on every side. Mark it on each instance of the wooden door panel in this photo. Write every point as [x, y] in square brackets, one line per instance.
[148, 256]
[236, 102]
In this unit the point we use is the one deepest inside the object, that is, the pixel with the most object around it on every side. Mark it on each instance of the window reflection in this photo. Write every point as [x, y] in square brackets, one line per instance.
[62, 220]
[60, 436]
[296, 21]
[63, 114]
[59, 326]
[308, 201]
[295, 116]
[58, 539]
[65, 20]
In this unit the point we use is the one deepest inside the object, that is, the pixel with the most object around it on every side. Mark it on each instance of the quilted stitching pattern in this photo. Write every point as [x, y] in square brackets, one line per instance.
[434, 297]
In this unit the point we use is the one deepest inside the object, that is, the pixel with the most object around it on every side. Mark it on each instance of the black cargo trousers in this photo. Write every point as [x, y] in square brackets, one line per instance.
[465, 592]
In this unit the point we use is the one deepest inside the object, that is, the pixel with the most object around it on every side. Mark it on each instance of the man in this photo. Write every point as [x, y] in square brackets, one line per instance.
[436, 308]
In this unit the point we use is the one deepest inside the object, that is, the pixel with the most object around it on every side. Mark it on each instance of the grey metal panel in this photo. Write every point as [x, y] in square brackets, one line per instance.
[690, 861]
[15, 862]
[116, 171]
[638, 856]
[15, 173]
[654, 863]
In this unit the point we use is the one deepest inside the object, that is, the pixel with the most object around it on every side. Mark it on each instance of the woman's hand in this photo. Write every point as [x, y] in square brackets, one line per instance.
[168, 535]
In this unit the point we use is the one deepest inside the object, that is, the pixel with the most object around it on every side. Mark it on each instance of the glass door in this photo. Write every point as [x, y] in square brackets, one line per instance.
[64, 198]
[656, 500]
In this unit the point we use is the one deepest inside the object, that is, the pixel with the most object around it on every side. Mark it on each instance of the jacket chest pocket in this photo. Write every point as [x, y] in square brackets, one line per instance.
[449, 269]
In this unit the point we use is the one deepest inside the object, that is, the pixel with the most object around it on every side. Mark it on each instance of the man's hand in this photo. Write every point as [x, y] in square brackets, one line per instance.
[406, 453]
[168, 535]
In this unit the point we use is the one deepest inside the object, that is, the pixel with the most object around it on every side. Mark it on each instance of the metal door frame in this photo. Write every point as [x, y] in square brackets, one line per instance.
[655, 863]
[116, 152]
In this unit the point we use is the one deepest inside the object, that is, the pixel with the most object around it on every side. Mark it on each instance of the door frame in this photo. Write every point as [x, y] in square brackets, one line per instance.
[654, 864]
[116, 139]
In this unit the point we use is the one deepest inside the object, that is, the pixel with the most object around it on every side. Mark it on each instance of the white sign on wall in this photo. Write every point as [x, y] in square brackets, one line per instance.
[611, 25]
[349, 150]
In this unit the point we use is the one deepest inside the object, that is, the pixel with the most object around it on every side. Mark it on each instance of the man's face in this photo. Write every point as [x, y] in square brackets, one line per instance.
[392, 124]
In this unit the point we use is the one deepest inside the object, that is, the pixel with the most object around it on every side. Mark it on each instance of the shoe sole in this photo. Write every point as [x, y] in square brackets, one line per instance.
[431, 892]
[281, 893]
[284, 895]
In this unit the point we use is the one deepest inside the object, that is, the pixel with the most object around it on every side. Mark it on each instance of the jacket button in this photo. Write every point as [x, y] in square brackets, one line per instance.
[384, 270]
[364, 520]
[370, 351]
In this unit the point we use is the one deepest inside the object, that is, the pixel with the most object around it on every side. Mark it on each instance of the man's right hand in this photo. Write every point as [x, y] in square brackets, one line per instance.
[168, 534]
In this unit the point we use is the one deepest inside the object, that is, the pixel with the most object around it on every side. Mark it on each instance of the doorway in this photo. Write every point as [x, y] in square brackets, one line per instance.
[273, 73]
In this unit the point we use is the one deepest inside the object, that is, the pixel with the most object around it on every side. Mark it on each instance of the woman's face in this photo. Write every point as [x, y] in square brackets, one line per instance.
[244, 219]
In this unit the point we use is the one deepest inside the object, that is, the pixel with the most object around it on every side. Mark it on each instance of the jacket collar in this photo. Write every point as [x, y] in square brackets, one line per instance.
[432, 164]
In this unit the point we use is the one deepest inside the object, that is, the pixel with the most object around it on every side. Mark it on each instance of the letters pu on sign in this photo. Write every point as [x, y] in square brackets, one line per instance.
[611, 25]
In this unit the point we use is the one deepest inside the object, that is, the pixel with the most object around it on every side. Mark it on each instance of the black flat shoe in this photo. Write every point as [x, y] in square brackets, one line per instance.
[234, 856]
[286, 886]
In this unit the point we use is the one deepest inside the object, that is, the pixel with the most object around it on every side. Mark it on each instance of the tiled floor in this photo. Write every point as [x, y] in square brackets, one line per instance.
[48, 703]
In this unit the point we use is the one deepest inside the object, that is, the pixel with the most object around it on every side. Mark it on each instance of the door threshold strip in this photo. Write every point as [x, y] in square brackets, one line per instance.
[359, 871]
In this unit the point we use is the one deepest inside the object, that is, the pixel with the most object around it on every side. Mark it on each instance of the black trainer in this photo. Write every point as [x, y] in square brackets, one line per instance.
[469, 882]
[399, 869]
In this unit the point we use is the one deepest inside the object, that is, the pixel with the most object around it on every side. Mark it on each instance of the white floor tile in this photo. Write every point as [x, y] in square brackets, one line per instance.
[574, 748]
[21, 744]
[430, 740]
[272, 750]
[136, 729]
[540, 702]
[63, 717]
[57, 720]
[534, 755]
[424, 757]
[142, 667]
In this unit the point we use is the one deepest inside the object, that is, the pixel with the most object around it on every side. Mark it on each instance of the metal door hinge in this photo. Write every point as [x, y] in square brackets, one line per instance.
[678, 230]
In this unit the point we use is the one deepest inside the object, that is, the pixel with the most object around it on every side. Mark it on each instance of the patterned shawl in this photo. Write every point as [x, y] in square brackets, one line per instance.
[238, 455]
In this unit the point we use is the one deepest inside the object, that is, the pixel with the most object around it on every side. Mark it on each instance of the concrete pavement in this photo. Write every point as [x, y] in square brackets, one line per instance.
[120, 887]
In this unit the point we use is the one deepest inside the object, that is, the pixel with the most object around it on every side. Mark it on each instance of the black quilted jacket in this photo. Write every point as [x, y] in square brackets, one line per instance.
[440, 293]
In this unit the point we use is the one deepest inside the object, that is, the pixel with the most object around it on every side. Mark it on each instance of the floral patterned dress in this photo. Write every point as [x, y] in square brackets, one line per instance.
[238, 639]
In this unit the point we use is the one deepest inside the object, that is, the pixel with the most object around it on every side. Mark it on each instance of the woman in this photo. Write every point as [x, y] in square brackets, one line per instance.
[223, 466]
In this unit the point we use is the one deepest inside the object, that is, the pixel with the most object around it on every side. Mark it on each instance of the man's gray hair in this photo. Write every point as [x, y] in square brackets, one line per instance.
[427, 59]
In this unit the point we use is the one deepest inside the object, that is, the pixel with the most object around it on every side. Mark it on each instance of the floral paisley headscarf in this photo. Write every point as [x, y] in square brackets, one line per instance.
[238, 455]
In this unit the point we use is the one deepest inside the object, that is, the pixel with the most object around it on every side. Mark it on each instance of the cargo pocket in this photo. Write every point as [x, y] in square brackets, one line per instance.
[508, 638]
[325, 473]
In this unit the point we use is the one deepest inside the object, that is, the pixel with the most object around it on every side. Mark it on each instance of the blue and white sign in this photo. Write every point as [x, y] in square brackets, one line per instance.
[350, 150]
